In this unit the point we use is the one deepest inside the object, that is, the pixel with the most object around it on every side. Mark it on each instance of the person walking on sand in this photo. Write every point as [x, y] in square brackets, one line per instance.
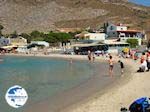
[111, 65]
[121, 66]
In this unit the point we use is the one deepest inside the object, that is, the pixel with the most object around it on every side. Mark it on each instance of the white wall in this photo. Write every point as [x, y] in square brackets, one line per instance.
[113, 27]
[4, 41]
[121, 28]
[112, 30]
[46, 44]
[22, 50]
[96, 36]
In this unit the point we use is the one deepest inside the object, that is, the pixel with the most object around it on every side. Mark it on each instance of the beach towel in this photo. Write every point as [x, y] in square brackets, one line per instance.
[140, 105]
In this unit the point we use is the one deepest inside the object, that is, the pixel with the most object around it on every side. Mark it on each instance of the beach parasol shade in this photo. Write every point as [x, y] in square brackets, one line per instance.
[140, 105]
[126, 50]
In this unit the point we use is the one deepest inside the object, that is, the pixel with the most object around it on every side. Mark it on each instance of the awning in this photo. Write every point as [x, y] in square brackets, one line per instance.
[8, 47]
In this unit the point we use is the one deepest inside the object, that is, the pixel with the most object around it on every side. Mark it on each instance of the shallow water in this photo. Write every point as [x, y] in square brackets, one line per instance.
[41, 77]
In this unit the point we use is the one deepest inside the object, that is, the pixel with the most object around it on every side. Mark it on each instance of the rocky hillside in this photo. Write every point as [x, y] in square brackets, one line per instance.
[46, 15]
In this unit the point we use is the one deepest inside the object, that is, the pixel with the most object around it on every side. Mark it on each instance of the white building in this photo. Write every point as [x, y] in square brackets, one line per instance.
[4, 41]
[96, 36]
[22, 49]
[121, 32]
[43, 43]
[112, 29]
[19, 41]
[91, 37]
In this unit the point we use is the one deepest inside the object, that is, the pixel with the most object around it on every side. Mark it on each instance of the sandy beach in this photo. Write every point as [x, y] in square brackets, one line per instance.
[120, 94]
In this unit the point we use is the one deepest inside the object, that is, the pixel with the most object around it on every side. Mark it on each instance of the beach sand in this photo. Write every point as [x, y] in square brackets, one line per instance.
[120, 94]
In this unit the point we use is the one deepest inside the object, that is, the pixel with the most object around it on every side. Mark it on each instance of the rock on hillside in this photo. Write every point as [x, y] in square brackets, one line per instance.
[27, 15]
[46, 15]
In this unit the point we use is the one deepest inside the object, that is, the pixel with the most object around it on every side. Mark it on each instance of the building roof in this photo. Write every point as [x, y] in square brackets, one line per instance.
[120, 24]
[114, 41]
[9, 47]
[39, 42]
[129, 31]
[86, 45]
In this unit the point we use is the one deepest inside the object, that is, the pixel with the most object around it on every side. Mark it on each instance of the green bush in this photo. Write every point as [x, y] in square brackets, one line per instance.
[133, 42]
[52, 37]
[26, 36]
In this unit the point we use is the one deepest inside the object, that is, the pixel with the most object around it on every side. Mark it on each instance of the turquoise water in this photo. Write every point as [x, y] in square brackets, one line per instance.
[41, 77]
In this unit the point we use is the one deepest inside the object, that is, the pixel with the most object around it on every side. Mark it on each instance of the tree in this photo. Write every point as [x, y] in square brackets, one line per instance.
[74, 33]
[148, 44]
[26, 36]
[52, 37]
[1, 28]
[37, 36]
[14, 34]
[133, 42]
[64, 37]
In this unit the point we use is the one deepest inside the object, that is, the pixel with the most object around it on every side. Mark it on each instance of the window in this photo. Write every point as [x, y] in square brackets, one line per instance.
[111, 28]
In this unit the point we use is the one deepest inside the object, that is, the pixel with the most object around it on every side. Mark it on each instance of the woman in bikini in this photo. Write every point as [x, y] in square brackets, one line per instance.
[111, 65]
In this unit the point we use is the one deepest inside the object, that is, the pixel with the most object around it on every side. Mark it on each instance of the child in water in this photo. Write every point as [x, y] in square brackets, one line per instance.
[121, 66]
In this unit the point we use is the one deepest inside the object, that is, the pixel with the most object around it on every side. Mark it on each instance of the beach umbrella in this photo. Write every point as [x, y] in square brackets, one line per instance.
[126, 50]
[140, 105]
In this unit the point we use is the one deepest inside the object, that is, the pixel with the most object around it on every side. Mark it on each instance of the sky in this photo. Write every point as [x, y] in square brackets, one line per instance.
[141, 2]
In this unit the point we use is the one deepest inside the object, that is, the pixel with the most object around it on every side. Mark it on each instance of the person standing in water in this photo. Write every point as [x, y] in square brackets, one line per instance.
[111, 65]
[89, 55]
[121, 66]
[71, 61]
[93, 56]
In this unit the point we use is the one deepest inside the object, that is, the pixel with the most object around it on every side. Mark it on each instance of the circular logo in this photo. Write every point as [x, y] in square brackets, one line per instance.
[16, 96]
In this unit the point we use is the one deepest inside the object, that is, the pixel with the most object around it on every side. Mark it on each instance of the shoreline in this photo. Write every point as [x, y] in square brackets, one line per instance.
[119, 83]
[120, 96]
[90, 97]
[59, 56]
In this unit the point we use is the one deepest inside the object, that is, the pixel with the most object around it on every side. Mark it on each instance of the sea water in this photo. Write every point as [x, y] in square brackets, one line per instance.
[41, 77]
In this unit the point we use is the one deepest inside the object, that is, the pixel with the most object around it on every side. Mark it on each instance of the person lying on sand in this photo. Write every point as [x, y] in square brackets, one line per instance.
[143, 67]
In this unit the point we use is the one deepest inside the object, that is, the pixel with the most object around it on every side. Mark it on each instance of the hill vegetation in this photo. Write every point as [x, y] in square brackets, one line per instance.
[47, 15]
